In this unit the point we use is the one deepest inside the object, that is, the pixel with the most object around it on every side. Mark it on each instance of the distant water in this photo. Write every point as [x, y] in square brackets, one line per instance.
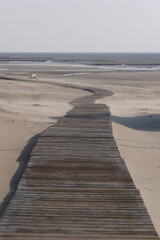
[107, 61]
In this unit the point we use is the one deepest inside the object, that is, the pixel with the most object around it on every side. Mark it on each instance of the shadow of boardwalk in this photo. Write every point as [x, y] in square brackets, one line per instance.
[148, 122]
[23, 161]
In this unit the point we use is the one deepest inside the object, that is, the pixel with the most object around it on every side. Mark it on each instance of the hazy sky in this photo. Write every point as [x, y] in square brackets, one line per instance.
[80, 25]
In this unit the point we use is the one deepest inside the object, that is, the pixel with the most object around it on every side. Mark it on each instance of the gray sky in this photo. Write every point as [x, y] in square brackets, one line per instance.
[80, 25]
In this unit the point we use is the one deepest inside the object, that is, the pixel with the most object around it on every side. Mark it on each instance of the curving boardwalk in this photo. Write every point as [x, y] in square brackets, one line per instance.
[76, 185]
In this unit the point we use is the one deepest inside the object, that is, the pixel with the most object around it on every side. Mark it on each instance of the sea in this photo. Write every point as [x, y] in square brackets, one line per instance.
[105, 61]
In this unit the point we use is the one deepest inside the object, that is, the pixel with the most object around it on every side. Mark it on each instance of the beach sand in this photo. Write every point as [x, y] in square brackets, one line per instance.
[28, 106]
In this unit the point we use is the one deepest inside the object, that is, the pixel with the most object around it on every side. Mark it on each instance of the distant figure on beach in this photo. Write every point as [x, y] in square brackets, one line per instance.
[34, 75]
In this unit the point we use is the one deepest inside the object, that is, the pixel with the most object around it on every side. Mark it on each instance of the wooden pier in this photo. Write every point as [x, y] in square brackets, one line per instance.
[76, 186]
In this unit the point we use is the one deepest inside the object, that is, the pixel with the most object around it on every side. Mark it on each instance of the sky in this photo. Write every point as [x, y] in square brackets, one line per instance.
[79, 26]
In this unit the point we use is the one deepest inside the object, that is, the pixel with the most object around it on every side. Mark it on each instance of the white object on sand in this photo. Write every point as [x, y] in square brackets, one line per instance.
[34, 75]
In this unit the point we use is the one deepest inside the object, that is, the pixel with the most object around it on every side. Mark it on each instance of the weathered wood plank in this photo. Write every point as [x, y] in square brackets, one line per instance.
[54, 133]
[67, 140]
[75, 153]
[75, 129]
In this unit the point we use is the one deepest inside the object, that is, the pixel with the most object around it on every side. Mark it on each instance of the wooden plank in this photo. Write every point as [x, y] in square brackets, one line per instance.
[74, 184]
[74, 145]
[77, 153]
[75, 237]
[75, 129]
[83, 123]
[52, 132]
[65, 140]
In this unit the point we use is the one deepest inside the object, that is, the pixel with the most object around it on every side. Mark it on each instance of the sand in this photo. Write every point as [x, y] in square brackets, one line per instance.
[28, 106]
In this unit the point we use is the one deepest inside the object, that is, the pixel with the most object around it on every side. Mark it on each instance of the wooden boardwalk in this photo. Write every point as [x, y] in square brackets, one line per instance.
[76, 185]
